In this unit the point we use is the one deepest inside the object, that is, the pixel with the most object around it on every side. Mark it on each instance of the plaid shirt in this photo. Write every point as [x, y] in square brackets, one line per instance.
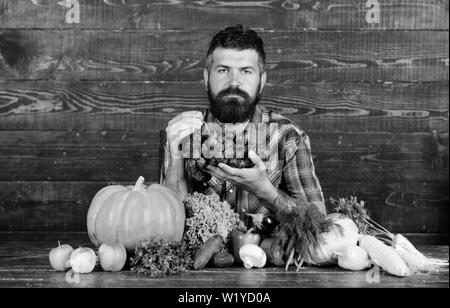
[293, 174]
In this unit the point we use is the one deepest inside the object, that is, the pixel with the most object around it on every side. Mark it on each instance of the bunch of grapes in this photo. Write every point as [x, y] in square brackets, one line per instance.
[195, 166]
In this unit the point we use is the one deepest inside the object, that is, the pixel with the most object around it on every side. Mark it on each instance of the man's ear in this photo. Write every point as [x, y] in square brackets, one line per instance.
[263, 81]
[205, 78]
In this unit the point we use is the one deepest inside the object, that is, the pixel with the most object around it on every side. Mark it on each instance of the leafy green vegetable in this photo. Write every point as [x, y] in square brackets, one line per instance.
[298, 231]
[353, 209]
[158, 258]
[206, 216]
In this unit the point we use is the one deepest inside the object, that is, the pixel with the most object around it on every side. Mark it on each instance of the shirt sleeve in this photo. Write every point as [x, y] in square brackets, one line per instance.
[300, 179]
[165, 164]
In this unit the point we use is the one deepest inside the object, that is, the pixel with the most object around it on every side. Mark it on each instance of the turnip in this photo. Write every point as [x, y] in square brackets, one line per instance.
[353, 258]
[112, 257]
[82, 260]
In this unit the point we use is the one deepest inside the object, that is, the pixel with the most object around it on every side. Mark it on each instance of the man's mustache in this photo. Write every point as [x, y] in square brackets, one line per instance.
[233, 91]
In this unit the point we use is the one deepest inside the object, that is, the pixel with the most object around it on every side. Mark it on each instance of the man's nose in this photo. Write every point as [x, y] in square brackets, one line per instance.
[235, 80]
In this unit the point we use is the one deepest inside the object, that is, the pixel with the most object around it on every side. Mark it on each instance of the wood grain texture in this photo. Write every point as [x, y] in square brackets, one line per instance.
[295, 56]
[44, 277]
[382, 107]
[400, 207]
[63, 206]
[214, 14]
[25, 264]
[78, 156]
[46, 205]
[119, 155]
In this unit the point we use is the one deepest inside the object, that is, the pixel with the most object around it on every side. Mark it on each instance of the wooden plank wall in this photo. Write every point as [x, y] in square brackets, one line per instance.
[81, 105]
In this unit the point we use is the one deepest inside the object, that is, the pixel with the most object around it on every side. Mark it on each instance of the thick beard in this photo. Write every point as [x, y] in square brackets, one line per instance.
[231, 109]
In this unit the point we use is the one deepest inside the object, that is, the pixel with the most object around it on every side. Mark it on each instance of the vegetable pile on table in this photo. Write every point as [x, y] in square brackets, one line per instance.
[348, 237]
[207, 232]
[203, 230]
[392, 252]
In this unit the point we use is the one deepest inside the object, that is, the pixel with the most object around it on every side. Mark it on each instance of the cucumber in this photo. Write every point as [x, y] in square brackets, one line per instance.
[212, 246]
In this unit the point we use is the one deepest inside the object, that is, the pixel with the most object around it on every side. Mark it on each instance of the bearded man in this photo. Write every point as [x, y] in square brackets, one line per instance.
[234, 78]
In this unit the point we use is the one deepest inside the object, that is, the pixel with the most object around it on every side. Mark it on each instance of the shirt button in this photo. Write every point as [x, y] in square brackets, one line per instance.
[231, 191]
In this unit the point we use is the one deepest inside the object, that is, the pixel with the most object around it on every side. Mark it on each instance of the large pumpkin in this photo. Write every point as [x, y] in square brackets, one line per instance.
[130, 215]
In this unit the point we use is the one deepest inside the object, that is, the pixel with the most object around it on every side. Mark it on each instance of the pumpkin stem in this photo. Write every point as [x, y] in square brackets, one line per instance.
[139, 183]
[59, 244]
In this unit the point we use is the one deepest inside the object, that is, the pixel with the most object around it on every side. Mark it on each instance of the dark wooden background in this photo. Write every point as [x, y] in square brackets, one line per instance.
[81, 105]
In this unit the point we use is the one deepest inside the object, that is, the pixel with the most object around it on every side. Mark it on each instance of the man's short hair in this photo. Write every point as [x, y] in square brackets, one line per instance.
[238, 37]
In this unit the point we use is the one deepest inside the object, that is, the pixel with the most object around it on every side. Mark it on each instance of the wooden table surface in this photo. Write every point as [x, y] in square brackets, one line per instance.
[24, 263]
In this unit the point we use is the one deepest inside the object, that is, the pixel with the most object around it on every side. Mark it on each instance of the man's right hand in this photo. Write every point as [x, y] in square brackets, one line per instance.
[181, 126]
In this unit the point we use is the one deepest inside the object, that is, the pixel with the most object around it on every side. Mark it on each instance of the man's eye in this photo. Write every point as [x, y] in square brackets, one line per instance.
[247, 72]
[222, 70]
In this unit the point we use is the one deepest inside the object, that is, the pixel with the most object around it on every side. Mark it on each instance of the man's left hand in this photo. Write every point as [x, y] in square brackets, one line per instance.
[253, 179]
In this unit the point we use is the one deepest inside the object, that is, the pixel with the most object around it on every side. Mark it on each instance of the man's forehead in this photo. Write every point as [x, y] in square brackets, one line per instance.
[228, 57]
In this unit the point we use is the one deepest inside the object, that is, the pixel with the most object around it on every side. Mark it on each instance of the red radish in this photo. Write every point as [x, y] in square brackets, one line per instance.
[273, 251]
[112, 257]
[59, 257]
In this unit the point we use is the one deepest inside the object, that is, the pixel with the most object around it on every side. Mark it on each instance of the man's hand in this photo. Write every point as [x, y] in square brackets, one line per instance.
[180, 127]
[253, 180]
